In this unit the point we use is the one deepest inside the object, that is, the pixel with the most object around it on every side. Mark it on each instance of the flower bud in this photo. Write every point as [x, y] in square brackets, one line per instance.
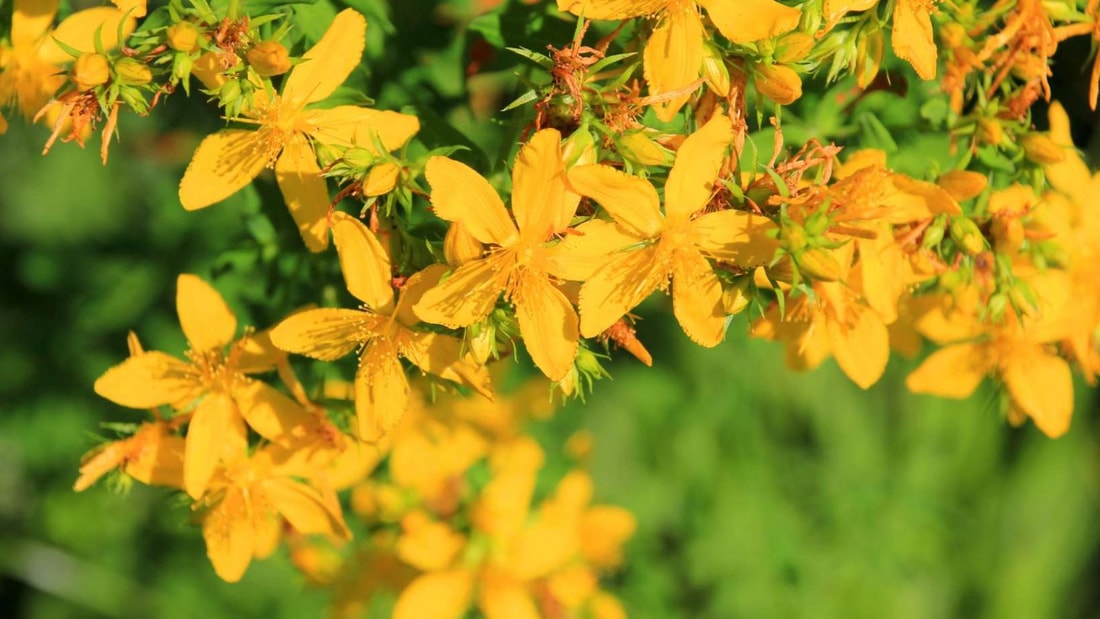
[794, 47]
[381, 179]
[579, 148]
[639, 148]
[953, 35]
[778, 83]
[183, 37]
[962, 184]
[1008, 234]
[715, 71]
[1039, 148]
[996, 306]
[736, 297]
[933, 234]
[966, 234]
[794, 237]
[869, 53]
[230, 92]
[820, 264]
[1054, 254]
[132, 72]
[90, 70]
[269, 58]
[481, 341]
[459, 246]
[990, 131]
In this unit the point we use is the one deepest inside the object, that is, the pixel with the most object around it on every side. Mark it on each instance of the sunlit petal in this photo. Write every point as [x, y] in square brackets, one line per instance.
[207, 321]
[224, 163]
[461, 195]
[631, 200]
[304, 191]
[328, 63]
[691, 180]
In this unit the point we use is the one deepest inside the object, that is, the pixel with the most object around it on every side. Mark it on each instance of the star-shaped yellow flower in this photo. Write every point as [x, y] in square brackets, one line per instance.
[227, 161]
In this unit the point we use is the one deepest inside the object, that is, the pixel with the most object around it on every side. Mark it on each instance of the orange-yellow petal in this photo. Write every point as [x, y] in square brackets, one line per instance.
[206, 320]
[912, 36]
[267, 411]
[442, 355]
[744, 239]
[224, 163]
[414, 289]
[584, 251]
[951, 372]
[538, 187]
[468, 295]
[31, 20]
[230, 539]
[304, 191]
[436, 595]
[612, 9]
[304, 508]
[349, 125]
[697, 299]
[631, 200]
[673, 58]
[326, 334]
[365, 264]
[603, 531]
[862, 347]
[619, 286]
[504, 597]
[328, 63]
[744, 21]
[1041, 385]
[147, 380]
[381, 391]
[79, 31]
[158, 457]
[215, 430]
[548, 325]
[691, 180]
[461, 195]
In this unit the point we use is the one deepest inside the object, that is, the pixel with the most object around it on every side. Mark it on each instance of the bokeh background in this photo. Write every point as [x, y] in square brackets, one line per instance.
[758, 492]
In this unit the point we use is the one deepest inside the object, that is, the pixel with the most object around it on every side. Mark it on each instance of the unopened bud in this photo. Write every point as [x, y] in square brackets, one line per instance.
[794, 47]
[579, 148]
[459, 246]
[997, 304]
[638, 147]
[90, 70]
[1039, 148]
[132, 72]
[715, 71]
[183, 37]
[869, 54]
[933, 234]
[794, 237]
[269, 58]
[962, 184]
[990, 131]
[820, 264]
[1054, 254]
[230, 92]
[953, 35]
[778, 83]
[966, 234]
[480, 339]
[1008, 234]
[381, 179]
[736, 297]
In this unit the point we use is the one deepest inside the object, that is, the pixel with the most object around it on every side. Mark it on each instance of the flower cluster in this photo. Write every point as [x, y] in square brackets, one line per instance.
[637, 171]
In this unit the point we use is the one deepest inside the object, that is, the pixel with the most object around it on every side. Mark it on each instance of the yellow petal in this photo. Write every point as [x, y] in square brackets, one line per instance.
[224, 163]
[215, 428]
[612, 9]
[159, 462]
[414, 289]
[229, 536]
[436, 595]
[428, 545]
[31, 20]
[79, 31]
[365, 264]
[691, 180]
[697, 299]
[538, 186]
[583, 252]
[912, 36]
[468, 295]
[951, 372]
[461, 195]
[673, 58]
[147, 380]
[548, 325]
[328, 63]
[267, 411]
[349, 125]
[744, 21]
[744, 239]
[619, 286]
[1041, 385]
[207, 69]
[206, 320]
[631, 200]
[506, 598]
[381, 179]
[861, 348]
[381, 392]
[257, 354]
[304, 191]
[326, 334]
[604, 530]
[442, 355]
[1071, 174]
[304, 508]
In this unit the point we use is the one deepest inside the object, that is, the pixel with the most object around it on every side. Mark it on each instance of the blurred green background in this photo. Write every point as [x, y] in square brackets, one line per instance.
[758, 492]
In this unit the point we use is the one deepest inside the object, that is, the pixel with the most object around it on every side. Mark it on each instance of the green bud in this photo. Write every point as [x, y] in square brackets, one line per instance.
[967, 236]
[132, 72]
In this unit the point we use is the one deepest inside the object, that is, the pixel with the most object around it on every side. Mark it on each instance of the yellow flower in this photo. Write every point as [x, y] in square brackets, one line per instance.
[654, 249]
[227, 161]
[382, 332]
[518, 262]
[30, 70]
[153, 455]
[242, 516]
[214, 381]
[912, 36]
[674, 55]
